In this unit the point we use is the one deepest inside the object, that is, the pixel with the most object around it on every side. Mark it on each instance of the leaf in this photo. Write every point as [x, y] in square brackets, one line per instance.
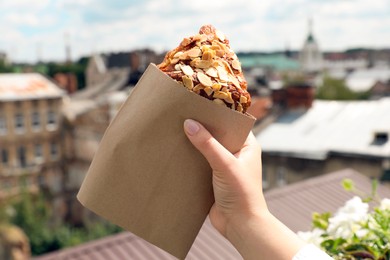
[348, 184]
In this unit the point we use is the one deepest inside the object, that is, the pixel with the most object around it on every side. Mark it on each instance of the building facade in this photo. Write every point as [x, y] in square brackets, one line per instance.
[30, 134]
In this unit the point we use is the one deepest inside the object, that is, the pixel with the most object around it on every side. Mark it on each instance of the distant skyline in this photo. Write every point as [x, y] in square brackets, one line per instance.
[32, 30]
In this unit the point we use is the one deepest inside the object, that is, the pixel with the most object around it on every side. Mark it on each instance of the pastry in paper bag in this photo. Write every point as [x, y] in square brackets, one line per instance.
[146, 176]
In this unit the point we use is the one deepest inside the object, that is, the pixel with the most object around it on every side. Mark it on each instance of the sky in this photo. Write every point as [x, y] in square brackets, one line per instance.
[32, 30]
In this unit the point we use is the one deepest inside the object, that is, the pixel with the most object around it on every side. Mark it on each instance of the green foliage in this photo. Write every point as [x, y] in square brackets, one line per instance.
[32, 213]
[354, 233]
[335, 89]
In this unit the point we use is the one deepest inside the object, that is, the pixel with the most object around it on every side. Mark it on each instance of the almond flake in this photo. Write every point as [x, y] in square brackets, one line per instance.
[239, 107]
[201, 64]
[177, 67]
[219, 102]
[223, 75]
[208, 91]
[187, 82]
[234, 81]
[229, 98]
[220, 35]
[187, 70]
[243, 99]
[220, 95]
[208, 55]
[216, 87]
[236, 65]
[212, 72]
[197, 88]
[194, 52]
[204, 79]
[177, 54]
[174, 61]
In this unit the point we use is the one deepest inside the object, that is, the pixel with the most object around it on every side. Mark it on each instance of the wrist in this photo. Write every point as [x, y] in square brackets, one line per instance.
[262, 236]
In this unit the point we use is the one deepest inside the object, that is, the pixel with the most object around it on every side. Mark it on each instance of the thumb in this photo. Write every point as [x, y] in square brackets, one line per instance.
[218, 157]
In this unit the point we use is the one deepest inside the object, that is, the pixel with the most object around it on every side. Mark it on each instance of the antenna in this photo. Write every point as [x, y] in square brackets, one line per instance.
[68, 57]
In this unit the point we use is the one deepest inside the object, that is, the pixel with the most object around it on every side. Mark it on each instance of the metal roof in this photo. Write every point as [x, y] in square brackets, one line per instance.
[364, 79]
[276, 61]
[330, 126]
[292, 204]
[19, 86]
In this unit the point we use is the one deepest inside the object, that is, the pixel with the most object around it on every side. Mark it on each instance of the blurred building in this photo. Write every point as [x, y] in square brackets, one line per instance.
[328, 136]
[310, 57]
[129, 65]
[30, 134]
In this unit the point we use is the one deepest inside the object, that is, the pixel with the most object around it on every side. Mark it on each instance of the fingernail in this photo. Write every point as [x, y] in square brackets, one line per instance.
[191, 126]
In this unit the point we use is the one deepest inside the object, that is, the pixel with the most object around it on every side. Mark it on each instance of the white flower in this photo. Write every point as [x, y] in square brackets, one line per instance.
[385, 204]
[346, 221]
[312, 237]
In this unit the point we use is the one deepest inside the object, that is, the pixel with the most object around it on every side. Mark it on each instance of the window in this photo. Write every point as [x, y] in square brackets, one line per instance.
[19, 123]
[3, 125]
[281, 176]
[380, 138]
[51, 120]
[35, 121]
[4, 157]
[54, 151]
[38, 152]
[22, 156]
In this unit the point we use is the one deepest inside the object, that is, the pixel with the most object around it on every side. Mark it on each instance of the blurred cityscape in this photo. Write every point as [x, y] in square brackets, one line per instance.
[317, 112]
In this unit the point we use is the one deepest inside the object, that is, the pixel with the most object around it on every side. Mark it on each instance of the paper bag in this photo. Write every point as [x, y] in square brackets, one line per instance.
[146, 176]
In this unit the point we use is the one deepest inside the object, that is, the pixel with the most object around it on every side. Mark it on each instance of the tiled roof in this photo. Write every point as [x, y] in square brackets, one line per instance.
[295, 203]
[330, 126]
[21, 86]
[292, 204]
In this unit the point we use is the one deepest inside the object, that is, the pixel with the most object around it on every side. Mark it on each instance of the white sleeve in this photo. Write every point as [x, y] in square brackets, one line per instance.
[311, 252]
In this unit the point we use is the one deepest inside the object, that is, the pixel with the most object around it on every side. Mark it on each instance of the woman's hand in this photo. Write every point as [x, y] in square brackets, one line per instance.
[240, 212]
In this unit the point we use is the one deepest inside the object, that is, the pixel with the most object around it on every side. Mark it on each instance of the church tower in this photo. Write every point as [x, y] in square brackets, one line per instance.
[310, 57]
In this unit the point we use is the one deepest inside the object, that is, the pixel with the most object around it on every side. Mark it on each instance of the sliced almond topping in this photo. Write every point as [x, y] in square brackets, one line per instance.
[220, 35]
[236, 65]
[174, 60]
[203, 38]
[239, 79]
[209, 91]
[187, 82]
[243, 99]
[197, 88]
[212, 72]
[177, 67]
[220, 95]
[177, 54]
[227, 66]
[220, 53]
[216, 87]
[208, 55]
[239, 107]
[185, 42]
[201, 64]
[187, 70]
[204, 79]
[229, 98]
[223, 75]
[234, 81]
[194, 52]
[218, 101]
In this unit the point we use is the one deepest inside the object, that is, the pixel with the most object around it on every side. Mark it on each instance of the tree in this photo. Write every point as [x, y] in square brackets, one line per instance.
[336, 89]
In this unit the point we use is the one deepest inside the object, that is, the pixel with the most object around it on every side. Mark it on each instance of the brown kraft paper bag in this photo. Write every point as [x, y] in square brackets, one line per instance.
[146, 176]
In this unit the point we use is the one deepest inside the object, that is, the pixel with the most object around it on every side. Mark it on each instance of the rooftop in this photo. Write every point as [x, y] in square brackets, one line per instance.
[330, 126]
[364, 79]
[292, 204]
[20, 86]
[275, 61]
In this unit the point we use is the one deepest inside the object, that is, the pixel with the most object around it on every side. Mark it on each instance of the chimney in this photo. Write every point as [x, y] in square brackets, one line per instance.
[294, 96]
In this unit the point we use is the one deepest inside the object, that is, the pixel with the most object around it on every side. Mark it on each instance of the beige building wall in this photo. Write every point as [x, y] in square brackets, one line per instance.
[30, 144]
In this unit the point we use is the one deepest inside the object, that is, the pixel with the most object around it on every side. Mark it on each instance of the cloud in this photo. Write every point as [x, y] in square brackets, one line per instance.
[101, 25]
